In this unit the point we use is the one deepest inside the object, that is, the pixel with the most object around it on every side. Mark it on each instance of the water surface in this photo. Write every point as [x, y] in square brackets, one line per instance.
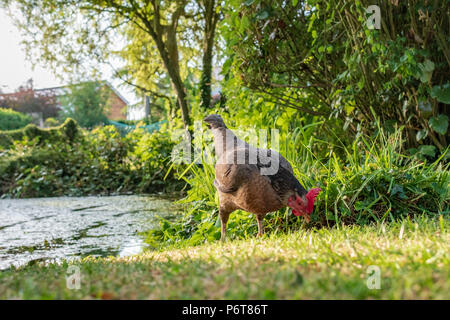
[43, 229]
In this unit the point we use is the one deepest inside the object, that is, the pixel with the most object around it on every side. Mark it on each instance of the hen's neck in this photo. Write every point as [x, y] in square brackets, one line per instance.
[225, 140]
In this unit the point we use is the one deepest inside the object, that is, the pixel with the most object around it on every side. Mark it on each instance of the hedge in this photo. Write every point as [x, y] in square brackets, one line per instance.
[66, 131]
[11, 120]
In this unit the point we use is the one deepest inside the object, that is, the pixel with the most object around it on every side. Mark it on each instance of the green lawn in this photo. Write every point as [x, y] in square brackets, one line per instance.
[309, 264]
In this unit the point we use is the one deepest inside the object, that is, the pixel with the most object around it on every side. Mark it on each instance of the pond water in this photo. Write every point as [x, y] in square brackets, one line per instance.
[51, 229]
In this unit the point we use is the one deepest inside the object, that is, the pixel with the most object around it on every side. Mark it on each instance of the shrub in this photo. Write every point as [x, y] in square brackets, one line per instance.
[65, 132]
[51, 122]
[389, 69]
[10, 119]
[68, 160]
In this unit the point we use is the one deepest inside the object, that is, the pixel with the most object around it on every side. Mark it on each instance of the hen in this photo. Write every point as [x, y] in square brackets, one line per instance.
[254, 180]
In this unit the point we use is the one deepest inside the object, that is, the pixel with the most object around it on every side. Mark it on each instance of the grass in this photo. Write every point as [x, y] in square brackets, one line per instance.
[327, 263]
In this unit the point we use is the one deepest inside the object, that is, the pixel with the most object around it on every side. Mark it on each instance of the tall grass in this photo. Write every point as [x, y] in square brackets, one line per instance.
[371, 180]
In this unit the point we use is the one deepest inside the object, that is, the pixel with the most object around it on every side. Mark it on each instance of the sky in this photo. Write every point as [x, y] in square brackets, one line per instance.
[15, 70]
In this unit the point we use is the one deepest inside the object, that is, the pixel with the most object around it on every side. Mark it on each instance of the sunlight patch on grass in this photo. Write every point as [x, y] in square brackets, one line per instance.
[308, 264]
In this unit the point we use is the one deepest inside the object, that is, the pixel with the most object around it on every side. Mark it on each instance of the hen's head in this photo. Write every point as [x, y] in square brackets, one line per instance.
[214, 121]
[304, 206]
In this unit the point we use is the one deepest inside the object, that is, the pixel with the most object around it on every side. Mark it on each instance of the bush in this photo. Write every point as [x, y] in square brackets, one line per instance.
[151, 157]
[65, 132]
[51, 122]
[343, 68]
[68, 160]
[10, 119]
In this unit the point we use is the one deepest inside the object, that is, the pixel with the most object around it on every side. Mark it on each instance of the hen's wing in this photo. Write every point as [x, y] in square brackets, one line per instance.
[237, 166]
[233, 170]
[266, 156]
[284, 163]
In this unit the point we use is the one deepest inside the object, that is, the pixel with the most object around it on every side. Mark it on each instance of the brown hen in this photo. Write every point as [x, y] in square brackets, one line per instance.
[254, 180]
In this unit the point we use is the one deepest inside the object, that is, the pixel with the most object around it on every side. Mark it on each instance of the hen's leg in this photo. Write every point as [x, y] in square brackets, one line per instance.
[224, 215]
[260, 219]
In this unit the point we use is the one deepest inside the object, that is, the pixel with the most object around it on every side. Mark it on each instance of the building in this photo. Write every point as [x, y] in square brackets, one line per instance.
[118, 104]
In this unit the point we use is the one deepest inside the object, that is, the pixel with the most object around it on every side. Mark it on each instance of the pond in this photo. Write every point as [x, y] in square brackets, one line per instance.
[51, 229]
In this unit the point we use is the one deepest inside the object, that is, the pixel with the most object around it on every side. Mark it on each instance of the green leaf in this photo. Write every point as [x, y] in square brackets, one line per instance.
[294, 2]
[245, 23]
[427, 150]
[359, 205]
[425, 108]
[389, 125]
[428, 66]
[249, 2]
[413, 151]
[439, 123]
[426, 70]
[226, 66]
[441, 93]
[218, 223]
[263, 14]
[311, 22]
[421, 134]
[360, 84]
[425, 77]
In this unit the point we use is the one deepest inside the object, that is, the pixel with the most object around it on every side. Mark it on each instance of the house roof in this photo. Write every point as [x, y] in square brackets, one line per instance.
[61, 90]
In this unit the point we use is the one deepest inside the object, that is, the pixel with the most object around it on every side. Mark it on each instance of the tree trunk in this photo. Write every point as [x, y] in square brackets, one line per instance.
[148, 115]
[169, 55]
[211, 18]
[178, 85]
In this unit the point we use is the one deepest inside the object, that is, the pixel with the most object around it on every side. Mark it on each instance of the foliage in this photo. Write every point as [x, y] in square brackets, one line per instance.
[65, 132]
[70, 161]
[144, 121]
[51, 122]
[320, 57]
[371, 181]
[27, 100]
[10, 119]
[306, 264]
[151, 157]
[86, 103]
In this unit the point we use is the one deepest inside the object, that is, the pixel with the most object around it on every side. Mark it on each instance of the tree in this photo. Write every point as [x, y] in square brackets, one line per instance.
[211, 13]
[196, 40]
[91, 25]
[86, 103]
